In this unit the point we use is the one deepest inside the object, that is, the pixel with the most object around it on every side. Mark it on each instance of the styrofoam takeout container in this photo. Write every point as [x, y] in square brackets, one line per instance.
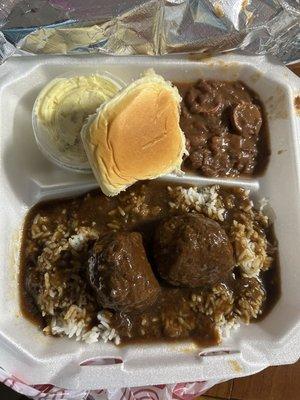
[27, 176]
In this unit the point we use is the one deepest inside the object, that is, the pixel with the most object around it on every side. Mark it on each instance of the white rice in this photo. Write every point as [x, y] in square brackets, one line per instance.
[205, 200]
[82, 237]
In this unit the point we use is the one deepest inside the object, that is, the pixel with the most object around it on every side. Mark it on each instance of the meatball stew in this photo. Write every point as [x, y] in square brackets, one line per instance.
[146, 263]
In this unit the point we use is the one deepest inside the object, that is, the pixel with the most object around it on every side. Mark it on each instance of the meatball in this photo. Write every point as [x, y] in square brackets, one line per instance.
[120, 273]
[192, 250]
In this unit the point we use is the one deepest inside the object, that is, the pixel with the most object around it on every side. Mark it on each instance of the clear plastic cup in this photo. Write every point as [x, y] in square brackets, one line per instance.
[75, 163]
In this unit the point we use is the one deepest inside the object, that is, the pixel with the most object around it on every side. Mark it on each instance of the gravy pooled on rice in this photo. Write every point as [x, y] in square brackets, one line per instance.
[99, 268]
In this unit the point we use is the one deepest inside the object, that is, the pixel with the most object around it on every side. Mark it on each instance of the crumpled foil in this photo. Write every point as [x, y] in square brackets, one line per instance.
[154, 27]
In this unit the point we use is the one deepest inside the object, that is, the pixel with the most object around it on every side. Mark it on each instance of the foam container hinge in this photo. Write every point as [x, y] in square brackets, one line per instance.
[27, 176]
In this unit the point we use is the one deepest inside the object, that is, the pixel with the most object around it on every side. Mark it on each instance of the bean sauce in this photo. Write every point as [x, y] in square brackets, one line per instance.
[226, 129]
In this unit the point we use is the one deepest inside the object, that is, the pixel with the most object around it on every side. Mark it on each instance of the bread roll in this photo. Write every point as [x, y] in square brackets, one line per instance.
[135, 135]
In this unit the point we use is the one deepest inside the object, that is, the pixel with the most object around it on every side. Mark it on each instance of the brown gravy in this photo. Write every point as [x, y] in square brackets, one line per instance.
[172, 317]
[271, 279]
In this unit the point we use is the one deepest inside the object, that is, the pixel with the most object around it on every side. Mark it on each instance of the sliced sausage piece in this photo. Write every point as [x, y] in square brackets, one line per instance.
[203, 99]
[246, 118]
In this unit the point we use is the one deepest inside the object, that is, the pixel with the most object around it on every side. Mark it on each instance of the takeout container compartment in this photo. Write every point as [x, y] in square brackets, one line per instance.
[27, 176]
[41, 134]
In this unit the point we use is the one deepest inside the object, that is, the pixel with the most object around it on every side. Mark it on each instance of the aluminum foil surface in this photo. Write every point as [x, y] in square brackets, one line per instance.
[154, 27]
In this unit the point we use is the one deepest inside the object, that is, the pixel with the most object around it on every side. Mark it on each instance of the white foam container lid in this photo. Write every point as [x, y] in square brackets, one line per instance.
[26, 177]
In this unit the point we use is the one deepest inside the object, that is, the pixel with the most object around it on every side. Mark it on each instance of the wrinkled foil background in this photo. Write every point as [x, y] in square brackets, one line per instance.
[154, 27]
